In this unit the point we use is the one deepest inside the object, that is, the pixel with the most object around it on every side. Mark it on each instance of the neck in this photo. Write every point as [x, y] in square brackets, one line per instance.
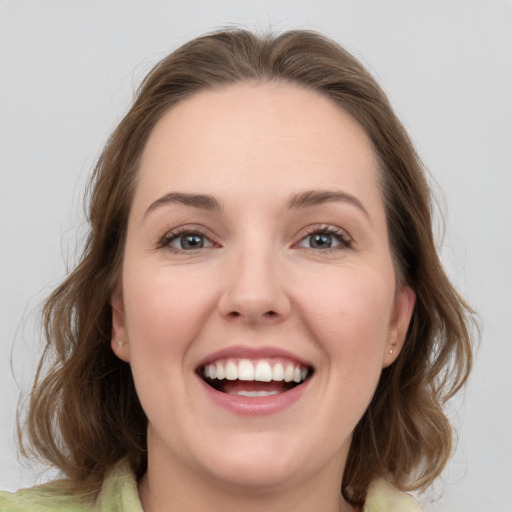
[157, 499]
[171, 487]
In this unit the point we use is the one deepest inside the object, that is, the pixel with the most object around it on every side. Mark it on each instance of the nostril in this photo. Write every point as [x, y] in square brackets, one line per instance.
[236, 314]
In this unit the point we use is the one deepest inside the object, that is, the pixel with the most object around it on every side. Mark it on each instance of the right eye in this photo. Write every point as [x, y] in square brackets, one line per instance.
[186, 241]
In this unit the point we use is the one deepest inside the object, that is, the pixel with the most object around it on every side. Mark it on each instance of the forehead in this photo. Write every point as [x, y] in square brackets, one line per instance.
[257, 137]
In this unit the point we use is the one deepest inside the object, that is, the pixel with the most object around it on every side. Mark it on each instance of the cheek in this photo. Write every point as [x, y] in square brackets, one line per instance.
[164, 315]
[354, 305]
[349, 317]
[347, 314]
[164, 311]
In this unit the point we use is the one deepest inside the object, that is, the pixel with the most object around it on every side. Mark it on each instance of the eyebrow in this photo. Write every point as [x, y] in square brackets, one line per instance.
[310, 198]
[202, 201]
[300, 200]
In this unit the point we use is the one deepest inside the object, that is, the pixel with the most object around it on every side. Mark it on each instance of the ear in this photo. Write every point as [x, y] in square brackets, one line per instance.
[119, 343]
[402, 313]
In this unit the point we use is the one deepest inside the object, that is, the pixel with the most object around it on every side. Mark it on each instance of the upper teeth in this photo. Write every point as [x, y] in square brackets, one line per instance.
[261, 371]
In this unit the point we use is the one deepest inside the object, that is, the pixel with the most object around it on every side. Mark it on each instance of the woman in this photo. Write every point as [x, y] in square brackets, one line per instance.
[260, 318]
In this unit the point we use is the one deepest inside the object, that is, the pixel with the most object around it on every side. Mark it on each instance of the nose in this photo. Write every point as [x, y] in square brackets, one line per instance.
[254, 289]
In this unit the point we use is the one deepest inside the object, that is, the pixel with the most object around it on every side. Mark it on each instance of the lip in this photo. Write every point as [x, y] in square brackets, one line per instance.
[239, 352]
[254, 406]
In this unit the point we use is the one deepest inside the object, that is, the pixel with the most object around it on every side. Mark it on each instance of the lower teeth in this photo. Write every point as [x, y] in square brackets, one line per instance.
[254, 393]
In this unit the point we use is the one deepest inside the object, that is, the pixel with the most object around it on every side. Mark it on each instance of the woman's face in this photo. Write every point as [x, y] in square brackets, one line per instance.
[258, 301]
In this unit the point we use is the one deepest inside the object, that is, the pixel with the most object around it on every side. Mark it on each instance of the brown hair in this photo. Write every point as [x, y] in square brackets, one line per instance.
[84, 412]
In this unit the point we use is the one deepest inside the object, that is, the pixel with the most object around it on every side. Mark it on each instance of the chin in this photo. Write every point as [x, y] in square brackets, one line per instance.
[256, 475]
[258, 465]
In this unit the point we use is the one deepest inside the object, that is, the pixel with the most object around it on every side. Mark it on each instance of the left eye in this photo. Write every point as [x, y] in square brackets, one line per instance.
[324, 240]
[189, 241]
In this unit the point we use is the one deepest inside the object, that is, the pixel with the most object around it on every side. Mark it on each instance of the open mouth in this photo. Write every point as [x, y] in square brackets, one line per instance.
[245, 377]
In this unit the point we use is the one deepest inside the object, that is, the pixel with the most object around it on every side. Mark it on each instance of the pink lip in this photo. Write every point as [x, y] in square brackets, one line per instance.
[241, 352]
[255, 406]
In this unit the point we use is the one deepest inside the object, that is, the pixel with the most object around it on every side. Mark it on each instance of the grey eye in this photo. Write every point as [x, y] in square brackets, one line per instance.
[320, 241]
[190, 241]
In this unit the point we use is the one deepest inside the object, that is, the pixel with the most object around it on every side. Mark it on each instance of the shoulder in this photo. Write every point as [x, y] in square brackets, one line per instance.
[43, 498]
[383, 497]
[118, 493]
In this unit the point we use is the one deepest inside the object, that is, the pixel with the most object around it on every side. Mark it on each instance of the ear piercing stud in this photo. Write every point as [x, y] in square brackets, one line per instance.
[393, 345]
[120, 343]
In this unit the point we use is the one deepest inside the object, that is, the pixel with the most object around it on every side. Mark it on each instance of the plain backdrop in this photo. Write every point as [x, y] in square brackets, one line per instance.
[67, 74]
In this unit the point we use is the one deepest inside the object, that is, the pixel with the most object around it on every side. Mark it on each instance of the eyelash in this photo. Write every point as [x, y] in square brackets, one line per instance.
[171, 236]
[345, 242]
[341, 236]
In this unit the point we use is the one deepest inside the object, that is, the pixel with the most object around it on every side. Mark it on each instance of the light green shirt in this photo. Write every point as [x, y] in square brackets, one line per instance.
[119, 494]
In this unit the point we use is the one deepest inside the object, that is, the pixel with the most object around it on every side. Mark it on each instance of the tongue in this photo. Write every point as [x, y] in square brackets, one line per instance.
[235, 386]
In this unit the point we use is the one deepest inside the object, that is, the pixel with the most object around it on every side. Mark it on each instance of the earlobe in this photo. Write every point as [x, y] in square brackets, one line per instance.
[119, 342]
[402, 314]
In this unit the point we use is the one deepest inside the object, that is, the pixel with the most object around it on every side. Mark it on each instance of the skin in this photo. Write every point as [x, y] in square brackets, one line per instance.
[258, 281]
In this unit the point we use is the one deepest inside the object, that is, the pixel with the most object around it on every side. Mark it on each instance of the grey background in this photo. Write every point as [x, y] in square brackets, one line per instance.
[67, 75]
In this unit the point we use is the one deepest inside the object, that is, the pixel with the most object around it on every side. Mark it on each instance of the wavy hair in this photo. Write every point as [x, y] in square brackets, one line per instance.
[84, 414]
